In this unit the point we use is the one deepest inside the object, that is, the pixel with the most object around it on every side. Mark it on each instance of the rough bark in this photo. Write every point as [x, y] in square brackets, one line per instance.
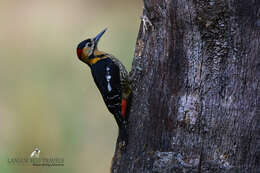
[196, 90]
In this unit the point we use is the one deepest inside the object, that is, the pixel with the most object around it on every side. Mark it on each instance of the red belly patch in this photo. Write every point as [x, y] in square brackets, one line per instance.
[123, 108]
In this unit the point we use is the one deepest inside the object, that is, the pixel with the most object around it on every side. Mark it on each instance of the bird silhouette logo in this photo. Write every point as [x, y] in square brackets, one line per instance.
[36, 153]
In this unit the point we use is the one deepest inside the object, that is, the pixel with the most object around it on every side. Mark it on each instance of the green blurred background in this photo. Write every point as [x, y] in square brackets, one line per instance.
[47, 96]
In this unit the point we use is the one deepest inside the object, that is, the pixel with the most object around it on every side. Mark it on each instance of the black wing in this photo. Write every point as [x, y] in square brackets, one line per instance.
[106, 75]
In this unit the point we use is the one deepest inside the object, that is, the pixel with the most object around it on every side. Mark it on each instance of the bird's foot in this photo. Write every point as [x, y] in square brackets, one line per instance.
[122, 145]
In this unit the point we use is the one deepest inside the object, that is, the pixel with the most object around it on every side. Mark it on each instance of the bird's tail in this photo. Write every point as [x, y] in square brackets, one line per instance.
[123, 136]
[122, 127]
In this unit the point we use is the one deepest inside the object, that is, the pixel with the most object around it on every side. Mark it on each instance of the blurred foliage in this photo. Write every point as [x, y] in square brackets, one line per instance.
[47, 96]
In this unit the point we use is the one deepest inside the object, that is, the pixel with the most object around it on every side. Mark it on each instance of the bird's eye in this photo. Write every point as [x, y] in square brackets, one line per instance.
[89, 44]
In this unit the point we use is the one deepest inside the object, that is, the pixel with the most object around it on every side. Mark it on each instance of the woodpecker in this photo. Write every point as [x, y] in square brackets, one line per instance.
[111, 79]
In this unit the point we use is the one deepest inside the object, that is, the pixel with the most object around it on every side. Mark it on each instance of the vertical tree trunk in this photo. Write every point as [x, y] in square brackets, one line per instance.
[196, 90]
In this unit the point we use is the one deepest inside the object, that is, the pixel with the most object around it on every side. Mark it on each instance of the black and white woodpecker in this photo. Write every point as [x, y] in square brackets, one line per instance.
[111, 79]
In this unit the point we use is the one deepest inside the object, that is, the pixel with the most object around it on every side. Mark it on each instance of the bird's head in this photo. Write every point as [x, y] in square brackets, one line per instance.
[87, 49]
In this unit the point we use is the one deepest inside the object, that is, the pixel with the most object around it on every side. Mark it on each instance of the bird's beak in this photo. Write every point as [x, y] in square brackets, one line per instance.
[96, 39]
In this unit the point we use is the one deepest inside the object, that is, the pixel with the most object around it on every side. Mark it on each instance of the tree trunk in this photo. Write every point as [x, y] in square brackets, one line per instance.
[196, 90]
